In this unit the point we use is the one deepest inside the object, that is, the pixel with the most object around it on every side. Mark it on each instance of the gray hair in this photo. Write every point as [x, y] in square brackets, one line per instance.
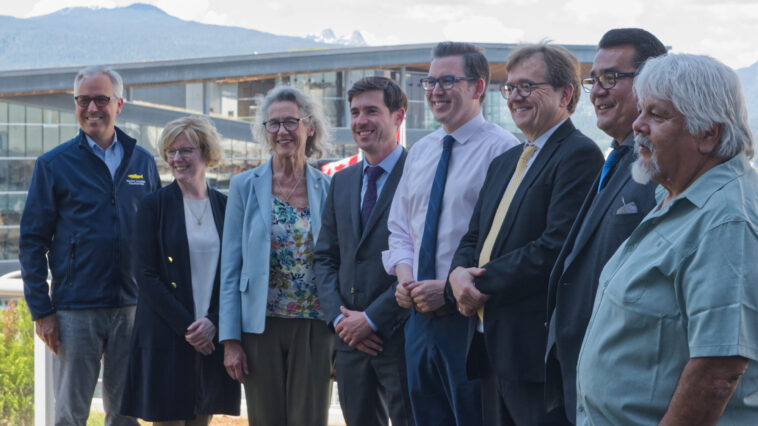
[118, 82]
[315, 145]
[706, 92]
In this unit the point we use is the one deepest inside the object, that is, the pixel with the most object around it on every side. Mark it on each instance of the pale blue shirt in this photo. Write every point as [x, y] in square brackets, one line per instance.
[388, 164]
[683, 285]
[112, 156]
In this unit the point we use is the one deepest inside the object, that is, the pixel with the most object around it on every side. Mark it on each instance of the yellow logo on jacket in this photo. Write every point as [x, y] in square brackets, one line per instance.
[135, 179]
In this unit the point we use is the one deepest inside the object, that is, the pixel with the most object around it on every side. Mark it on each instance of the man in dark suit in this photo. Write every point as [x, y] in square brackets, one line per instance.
[613, 207]
[357, 295]
[530, 197]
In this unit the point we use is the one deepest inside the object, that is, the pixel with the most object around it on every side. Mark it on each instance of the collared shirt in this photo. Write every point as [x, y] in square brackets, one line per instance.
[539, 143]
[388, 164]
[683, 285]
[112, 156]
[477, 143]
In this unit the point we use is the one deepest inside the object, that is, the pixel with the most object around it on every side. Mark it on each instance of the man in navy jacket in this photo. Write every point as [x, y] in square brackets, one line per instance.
[78, 222]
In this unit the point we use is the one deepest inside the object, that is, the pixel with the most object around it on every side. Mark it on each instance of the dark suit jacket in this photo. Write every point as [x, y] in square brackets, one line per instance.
[535, 226]
[348, 265]
[603, 223]
[161, 382]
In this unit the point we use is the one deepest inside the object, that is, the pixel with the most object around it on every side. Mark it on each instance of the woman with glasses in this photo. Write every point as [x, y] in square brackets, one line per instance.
[271, 323]
[176, 374]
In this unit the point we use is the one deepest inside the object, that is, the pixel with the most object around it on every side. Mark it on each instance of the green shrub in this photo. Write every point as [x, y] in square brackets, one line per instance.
[16, 364]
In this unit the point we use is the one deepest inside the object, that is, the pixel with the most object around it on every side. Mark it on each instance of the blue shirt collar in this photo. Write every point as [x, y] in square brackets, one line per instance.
[93, 145]
[389, 161]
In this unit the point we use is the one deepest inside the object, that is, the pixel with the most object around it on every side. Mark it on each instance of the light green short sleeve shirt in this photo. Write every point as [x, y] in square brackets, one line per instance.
[683, 285]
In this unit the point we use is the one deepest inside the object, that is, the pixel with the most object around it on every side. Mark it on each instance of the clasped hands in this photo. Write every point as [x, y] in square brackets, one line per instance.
[424, 296]
[355, 330]
[468, 297]
[200, 335]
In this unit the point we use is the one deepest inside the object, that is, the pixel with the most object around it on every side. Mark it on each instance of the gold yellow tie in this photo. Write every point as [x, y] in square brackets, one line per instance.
[502, 209]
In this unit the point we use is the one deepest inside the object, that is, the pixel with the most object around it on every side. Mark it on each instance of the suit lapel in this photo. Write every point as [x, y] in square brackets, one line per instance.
[544, 156]
[354, 199]
[316, 186]
[177, 236]
[605, 199]
[385, 198]
[262, 187]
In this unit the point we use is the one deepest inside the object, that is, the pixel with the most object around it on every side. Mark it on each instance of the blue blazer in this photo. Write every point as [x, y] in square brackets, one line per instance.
[246, 247]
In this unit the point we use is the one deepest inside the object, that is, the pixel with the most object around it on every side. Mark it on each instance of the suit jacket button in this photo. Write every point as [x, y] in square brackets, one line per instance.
[173, 284]
[170, 259]
[352, 290]
[564, 284]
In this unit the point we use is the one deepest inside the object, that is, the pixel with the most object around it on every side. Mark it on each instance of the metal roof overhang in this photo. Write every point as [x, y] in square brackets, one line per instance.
[256, 66]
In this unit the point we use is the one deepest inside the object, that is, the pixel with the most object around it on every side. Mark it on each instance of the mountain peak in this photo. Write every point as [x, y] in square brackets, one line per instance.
[328, 36]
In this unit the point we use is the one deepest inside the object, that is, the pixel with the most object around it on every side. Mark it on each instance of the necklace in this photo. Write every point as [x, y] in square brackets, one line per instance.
[292, 191]
[199, 218]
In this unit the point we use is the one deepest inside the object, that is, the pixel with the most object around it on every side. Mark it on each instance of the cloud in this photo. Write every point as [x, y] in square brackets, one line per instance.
[44, 7]
[380, 40]
[482, 29]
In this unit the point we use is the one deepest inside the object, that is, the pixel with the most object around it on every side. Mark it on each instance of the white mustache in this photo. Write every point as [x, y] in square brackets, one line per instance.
[640, 140]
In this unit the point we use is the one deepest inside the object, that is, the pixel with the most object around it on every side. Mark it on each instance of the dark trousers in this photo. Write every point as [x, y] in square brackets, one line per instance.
[435, 355]
[289, 368]
[512, 402]
[374, 389]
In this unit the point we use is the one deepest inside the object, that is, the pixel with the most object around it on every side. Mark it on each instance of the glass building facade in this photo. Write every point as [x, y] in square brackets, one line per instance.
[27, 131]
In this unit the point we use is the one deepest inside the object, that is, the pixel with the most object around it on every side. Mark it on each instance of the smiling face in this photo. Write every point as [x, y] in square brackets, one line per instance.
[287, 143]
[373, 126]
[454, 107]
[189, 167]
[616, 108]
[98, 123]
[545, 107]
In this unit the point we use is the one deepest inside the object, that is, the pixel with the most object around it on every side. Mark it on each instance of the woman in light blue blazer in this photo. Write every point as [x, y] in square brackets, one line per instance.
[275, 340]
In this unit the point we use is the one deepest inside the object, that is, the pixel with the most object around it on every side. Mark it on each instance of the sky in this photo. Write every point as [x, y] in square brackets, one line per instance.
[724, 29]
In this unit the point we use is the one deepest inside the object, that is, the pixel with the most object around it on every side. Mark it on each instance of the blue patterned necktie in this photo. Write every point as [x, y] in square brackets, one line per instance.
[612, 160]
[427, 254]
[369, 197]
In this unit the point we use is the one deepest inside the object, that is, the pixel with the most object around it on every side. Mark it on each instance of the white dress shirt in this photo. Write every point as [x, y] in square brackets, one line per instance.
[477, 143]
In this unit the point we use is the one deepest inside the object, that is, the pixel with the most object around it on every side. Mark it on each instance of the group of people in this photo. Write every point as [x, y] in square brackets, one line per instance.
[471, 280]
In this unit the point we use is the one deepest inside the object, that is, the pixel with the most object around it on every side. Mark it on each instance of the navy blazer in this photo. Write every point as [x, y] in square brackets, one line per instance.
[161, 382]
[535, 226]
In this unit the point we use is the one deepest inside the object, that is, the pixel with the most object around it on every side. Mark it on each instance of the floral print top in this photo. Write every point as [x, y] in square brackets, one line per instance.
[292, 284]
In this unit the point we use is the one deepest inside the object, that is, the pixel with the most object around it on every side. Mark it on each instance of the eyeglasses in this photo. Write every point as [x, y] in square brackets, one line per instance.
[100, 100]
[290, 124]
[183, 152]
[446, 82]
[607, 80]
[523, 88]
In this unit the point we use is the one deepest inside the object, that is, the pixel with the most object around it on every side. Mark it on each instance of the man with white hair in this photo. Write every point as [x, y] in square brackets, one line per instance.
[78, 222]
[674, 333]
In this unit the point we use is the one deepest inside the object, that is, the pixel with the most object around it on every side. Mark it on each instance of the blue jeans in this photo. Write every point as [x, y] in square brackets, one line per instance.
[89, 336]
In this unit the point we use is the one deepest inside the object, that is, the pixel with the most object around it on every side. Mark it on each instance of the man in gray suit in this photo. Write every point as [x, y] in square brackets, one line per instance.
[613, 208]
[356, 294]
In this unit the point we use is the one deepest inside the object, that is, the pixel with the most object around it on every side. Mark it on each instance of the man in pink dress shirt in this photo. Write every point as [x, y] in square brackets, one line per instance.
[435, 347]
